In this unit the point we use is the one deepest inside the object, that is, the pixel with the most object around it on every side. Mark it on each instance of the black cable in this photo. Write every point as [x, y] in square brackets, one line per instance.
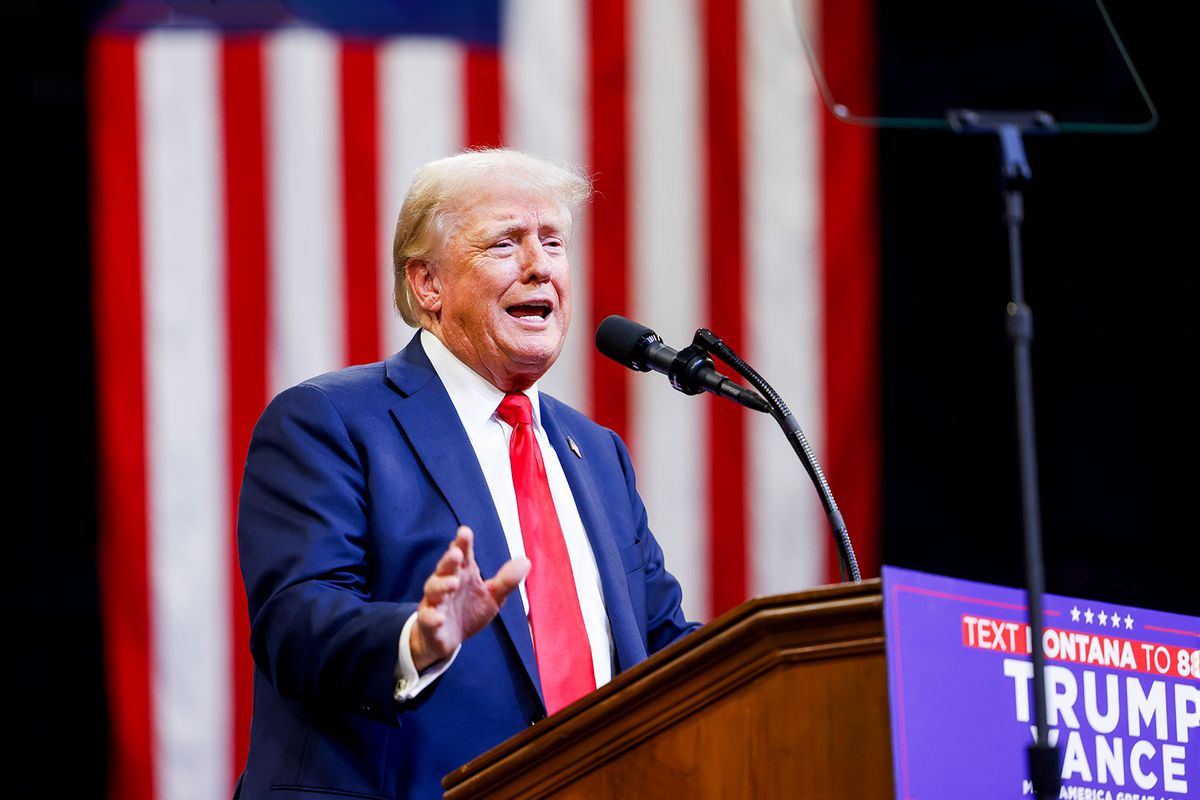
[847, 562]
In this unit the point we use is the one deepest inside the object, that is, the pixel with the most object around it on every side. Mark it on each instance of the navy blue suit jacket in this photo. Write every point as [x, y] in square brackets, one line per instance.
[354, 485]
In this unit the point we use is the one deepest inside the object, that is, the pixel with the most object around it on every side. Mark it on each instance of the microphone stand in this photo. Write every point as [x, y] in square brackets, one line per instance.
[705, 342]
[1009, 127]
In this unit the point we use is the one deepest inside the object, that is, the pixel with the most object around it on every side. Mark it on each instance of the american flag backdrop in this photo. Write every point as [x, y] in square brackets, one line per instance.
[245, 188]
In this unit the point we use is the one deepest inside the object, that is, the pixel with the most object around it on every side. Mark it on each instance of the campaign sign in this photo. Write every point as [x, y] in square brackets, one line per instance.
[1122, 684]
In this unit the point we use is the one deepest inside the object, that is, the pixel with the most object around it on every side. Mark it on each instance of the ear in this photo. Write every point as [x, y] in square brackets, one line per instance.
[425, 284]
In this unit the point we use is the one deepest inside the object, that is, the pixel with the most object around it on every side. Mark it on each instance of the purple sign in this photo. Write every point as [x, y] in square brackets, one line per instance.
[1123, 690]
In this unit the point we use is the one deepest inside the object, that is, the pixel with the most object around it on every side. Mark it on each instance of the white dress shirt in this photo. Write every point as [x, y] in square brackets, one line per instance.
[476, 400]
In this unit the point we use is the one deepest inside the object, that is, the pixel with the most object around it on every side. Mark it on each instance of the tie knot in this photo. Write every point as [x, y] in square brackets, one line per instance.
[515, 409]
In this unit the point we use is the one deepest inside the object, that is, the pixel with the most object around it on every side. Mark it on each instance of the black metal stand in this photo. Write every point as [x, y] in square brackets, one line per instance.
[1010, 127]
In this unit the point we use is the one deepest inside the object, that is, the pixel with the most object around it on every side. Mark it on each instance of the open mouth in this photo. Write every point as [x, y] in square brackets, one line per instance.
[538, 309]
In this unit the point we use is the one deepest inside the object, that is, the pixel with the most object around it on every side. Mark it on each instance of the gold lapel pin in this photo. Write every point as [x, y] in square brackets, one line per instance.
[574, 447]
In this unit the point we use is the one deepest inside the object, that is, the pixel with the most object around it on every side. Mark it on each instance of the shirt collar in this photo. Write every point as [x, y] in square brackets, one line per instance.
[474, 397]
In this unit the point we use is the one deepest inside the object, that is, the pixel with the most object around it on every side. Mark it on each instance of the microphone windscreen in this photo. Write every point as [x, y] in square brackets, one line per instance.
[623, 340]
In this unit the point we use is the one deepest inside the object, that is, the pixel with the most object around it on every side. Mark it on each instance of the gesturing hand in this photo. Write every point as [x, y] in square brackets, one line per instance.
[458, 602]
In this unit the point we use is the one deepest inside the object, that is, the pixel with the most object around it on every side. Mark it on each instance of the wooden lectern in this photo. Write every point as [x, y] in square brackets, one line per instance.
[782, 697]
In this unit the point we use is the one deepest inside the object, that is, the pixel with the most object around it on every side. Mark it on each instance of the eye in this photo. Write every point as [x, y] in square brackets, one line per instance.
[553, 244]
[502, 245]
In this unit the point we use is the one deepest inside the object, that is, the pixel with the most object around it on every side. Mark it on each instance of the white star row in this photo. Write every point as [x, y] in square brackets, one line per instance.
[1105, 620]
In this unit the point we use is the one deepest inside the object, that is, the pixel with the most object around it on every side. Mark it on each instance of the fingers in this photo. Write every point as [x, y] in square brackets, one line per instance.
[464, 540]
[438, 585]
[448, 577]
[451, 561]
[428, 619]
[508, 577]
[459, 554]
[423, 643]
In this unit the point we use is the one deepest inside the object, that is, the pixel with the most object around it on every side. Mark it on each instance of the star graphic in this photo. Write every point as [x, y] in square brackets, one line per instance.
[1087, 616]
[1128, 622]
[1103, 619]
[1075, 614]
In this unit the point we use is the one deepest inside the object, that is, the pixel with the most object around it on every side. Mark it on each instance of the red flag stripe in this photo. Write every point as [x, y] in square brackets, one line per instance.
[608, 126]
[721, 26]
[482, 95]
[360, 214]
[850, 270]
[247, 304]
[117, 284]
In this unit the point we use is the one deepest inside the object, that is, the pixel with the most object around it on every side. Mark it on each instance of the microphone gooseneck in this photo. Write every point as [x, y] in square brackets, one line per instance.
[848, 562]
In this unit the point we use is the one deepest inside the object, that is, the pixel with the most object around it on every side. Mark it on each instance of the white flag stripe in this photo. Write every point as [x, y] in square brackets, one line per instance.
[307, 335]
[667, 283]
[545, 115]
[186, 383]
[781, 214]
[421, 116]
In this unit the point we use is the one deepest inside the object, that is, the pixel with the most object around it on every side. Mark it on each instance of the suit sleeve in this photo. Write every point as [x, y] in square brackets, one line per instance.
[316, 634]
[665, 621]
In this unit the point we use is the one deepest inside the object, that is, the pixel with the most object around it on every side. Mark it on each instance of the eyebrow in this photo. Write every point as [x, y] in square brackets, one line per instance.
[512, 227]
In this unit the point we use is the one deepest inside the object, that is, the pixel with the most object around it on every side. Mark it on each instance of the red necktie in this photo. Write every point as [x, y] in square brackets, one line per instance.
[564, 657]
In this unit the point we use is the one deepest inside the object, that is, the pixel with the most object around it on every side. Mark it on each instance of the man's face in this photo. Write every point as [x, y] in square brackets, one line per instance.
[505, 284]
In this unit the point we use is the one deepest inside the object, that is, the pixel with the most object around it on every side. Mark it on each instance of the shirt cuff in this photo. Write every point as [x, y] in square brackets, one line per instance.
[409, 682]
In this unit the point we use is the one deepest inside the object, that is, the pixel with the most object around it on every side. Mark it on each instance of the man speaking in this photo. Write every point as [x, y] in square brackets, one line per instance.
[388, 511]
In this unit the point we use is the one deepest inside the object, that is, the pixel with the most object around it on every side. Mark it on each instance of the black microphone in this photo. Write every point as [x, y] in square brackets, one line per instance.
[690, 370]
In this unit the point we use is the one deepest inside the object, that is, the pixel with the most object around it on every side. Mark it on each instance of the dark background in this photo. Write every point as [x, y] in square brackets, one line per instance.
[1110, 276]
[1112, 284]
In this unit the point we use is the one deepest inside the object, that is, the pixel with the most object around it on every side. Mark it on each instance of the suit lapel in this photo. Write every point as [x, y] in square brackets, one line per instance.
[627, 639]
[446, 452]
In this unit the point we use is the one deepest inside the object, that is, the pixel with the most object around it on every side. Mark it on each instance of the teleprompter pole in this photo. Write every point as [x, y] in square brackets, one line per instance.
[1010, 127]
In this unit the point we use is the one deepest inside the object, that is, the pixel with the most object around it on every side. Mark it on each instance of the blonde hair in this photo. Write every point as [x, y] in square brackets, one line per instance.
[427, 217]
